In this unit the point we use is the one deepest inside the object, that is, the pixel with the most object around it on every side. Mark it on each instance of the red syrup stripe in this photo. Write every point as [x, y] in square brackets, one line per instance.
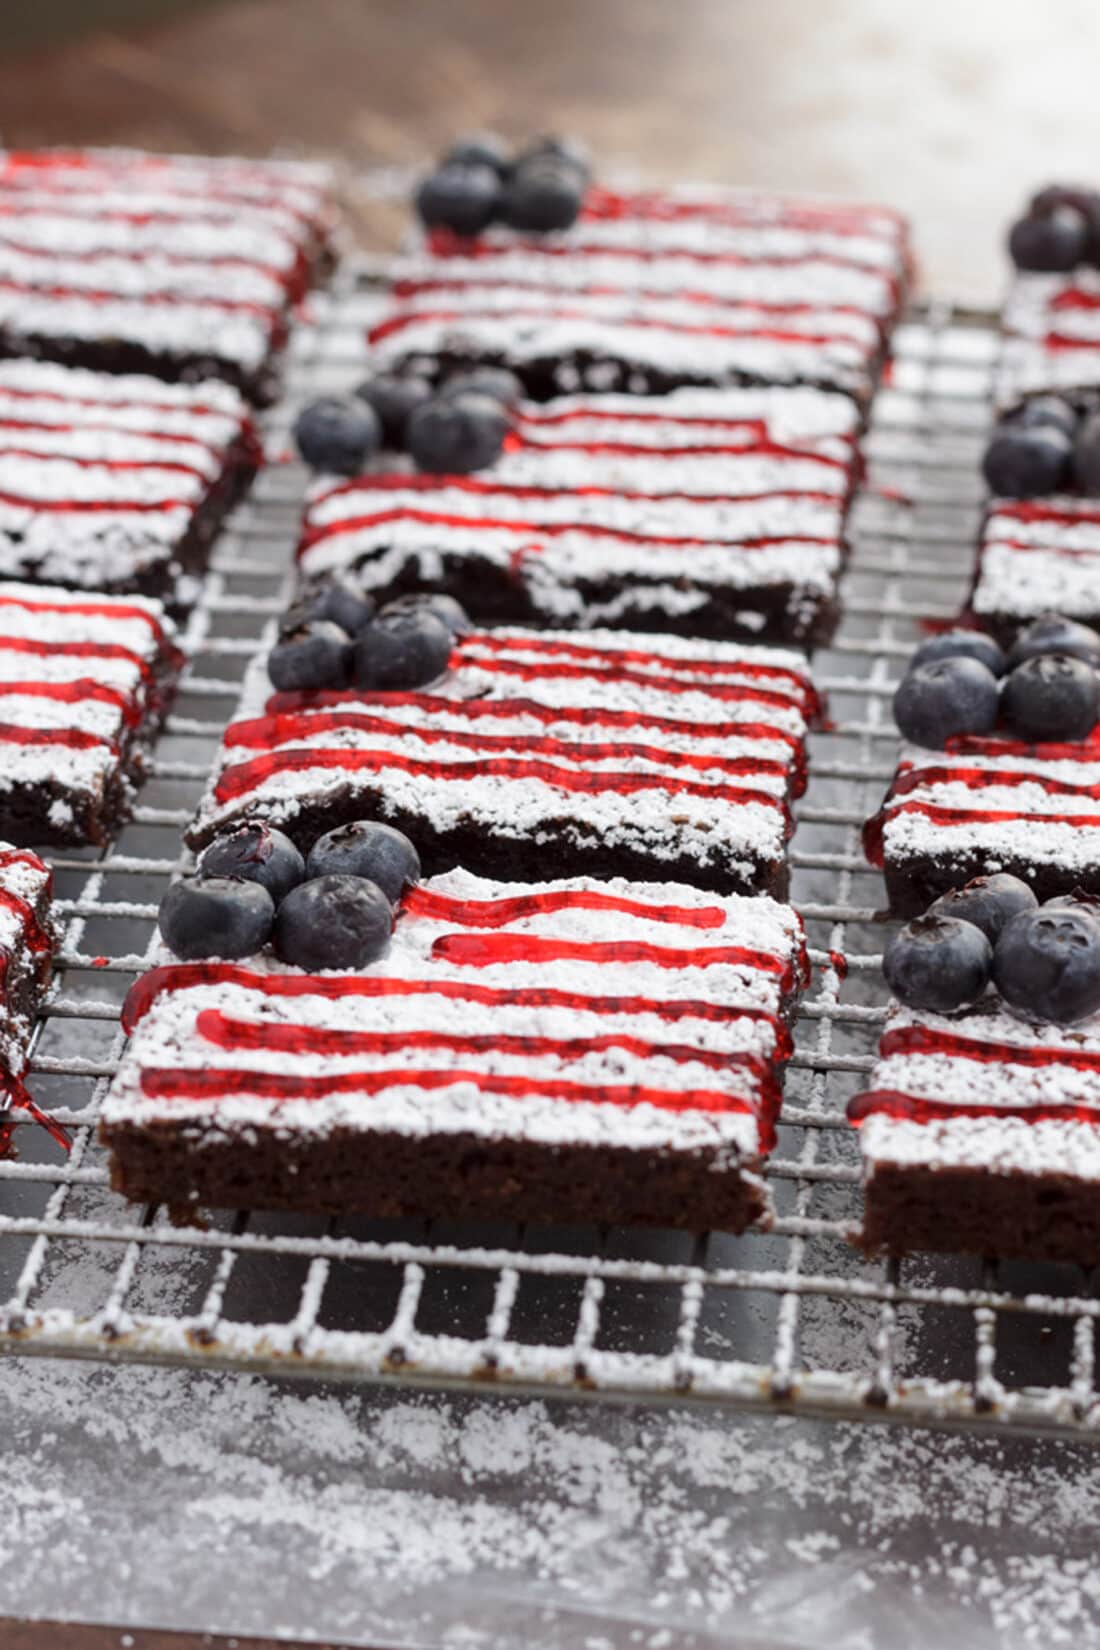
[119, 506]
[76, 650]
[269, 731]
[607, 668]
[633, 323]
[76, 739]
[155, 298]
[873, 830]
[110, 399]
[911, 1108]
[556, 646]
[915, 779]
[235, 1036]
[490, 950]
[518, 442]
[244, 777]
[121, 465]
[89, 609]
[1068, 552]
[793, 211]
[175, 978]
[498, 913]
[535, 494]
[141, 255]
[586, 412]
[917, 1039]
[94, 426]
[210, 1083]
[443, 245]
[316, 533]
[75, 692]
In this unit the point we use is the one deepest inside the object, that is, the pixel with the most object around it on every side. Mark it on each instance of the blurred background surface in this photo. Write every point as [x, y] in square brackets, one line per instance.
[950, 111]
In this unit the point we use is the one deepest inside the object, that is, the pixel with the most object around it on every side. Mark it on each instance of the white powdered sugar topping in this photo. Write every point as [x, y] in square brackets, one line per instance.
[1040, 555]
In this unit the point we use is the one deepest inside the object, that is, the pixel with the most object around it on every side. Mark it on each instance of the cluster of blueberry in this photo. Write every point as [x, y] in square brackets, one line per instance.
[332, 637]
[477, 182]
[332, 909]
[1043, 959]
[1060, 230]
[449, 430]
[1042, 447]
[1046, 689]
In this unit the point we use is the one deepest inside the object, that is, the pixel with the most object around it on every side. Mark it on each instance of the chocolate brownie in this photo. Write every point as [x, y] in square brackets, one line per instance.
[1051, 326]
[84, 683]
[979, 1134]
[116, 484]
[608, 754]
[28, 936]
[650, 290]
[175, 265]
[989, 804]
[704, 512]
[553, 1051]
[1038, 555]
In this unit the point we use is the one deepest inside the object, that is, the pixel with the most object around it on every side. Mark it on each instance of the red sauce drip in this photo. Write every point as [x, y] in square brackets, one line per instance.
[1041, 510]
[539, 417]
[239, 780]
[76, 650]
[93, 506]
[159, 299]
[20, 1100]
[918, 1039]
[266, 1037]
[103, 426]
[562, 312]
[489, 951]
[910, 1108]
[74, 739]
[36, 936]
[88, 609]
[121, 464]
[839, 964]
[833, 217]
[498, 913]
[874, 828]
[515, 443]
[914, 779]
[145, 992]
[74, 693]
[12, 392]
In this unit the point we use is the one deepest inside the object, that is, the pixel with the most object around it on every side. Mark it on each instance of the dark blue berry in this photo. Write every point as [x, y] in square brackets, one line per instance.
[393, 400]
[1027, 461]
[366, 848]
[1052, 633]
[333, 922]
[542, 195]
[257, 853]
[960, 644]
[1079, 900]
[988, 902]
[1052, 244]
[1086, 456]
[562, 151]
[216, 917]
[479, 149]
[460, 198]
[1052, 697]
[316, 655]
[938, 963]
[340, 599]
[950, 696]
[496, 382]
[1047, 964]
[402, 650]
[1084, 201]
[453, 614]
[338, 434]
[454, 434]
[1047, 409]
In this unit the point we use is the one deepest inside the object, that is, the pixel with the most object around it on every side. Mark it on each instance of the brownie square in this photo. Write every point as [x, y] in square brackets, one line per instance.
[989, 804]
[1037, 556]
[703, 513]
[563, 1051]
[1051, 327]
[180, 266]
[980, 1134]
[654, 289]
[84, 684]
[607, 754]
[117, 484]
[28, 936]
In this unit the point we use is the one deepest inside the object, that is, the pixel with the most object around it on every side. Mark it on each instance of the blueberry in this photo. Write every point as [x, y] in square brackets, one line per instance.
[542, 195]
[337, 434]
[938, 963]
[496, 382]
[960, 644]
[216, 917]
[1086, 456]
[453, 614]
[1047, 409]
[393, 398]
[333, 922]
[1051, 633]
[453, 434]
[1027, 461]
[256, 853]
[316, 655]
[366, 848]
[1084, 201]
[1050, 245]
[988, 902]
[563, 151]
[402, 650]
[1079, 900]
[479, 149]
[460, 198]
[340, 599]
[1047, 964]
[947, 697]
[1051, 697]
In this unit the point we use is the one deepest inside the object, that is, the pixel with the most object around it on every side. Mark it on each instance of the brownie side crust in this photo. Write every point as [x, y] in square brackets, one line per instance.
[912, 885]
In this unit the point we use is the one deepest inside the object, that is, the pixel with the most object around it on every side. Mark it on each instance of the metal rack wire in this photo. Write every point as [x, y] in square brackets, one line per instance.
[793, 1318]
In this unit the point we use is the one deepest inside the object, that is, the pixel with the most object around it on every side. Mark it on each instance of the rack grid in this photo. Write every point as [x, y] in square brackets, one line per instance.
[790, 1319]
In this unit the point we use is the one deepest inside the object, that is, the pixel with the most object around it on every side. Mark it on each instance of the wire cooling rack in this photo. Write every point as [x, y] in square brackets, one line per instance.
[793, 1318]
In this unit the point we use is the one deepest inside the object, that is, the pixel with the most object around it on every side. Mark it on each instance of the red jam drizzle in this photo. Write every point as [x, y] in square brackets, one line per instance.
[918, 1039]
[510, 489]
[498, 913]
[76, 650]
[76, 692]
[557, 311]
[178, 977]
[39, 942]
[489, 951]
[911, 1108]
[176, 466]
[19, 1100]
[93, 506]
[74, 739]
[839, 963]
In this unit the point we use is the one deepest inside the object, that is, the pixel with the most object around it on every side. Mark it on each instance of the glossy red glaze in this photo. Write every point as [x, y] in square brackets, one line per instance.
[910, 1108]
[489, 951]
[498, 913]
[76, 693]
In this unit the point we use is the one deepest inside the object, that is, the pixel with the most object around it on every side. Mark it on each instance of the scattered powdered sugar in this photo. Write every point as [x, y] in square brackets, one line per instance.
[222, 1502]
